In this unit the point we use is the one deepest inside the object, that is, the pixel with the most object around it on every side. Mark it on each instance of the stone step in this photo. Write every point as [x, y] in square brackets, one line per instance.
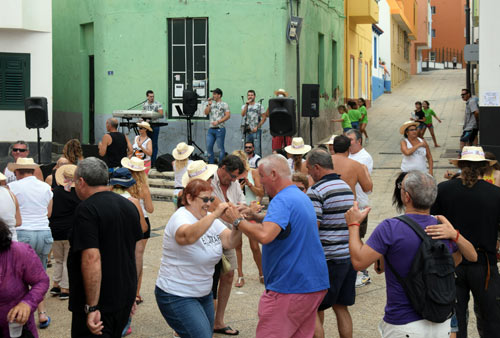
[161, 194]
[161, 183]
[167, 175]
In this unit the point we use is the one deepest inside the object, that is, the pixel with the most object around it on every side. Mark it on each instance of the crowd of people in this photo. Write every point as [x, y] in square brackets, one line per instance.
[307, 244]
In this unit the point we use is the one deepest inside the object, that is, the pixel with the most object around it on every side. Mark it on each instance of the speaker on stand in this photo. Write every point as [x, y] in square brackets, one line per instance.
[36, 116]
[282, 116]
[310, 104]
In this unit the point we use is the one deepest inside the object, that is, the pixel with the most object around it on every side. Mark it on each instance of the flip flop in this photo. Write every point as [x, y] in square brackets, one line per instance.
[138, 300]
[240, 282]
[226, 330]
[45, 324]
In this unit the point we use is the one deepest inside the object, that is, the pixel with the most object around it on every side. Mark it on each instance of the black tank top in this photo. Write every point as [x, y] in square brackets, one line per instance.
[116, 150]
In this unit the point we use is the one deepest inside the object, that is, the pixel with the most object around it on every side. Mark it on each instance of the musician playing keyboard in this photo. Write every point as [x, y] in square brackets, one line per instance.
[152, 105]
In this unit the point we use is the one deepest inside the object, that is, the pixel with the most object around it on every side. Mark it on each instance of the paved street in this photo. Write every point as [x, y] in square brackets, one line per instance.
[442, 89]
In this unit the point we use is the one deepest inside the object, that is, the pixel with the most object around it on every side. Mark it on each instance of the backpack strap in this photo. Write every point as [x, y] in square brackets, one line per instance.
[418, 230]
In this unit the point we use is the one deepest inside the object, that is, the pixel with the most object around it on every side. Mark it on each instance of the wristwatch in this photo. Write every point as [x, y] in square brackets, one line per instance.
[237, 222]
[88, 309]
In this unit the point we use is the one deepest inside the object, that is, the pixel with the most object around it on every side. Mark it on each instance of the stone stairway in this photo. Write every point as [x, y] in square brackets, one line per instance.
[161, 185]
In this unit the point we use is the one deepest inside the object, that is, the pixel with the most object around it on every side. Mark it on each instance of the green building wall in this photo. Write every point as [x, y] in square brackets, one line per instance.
[247, 48]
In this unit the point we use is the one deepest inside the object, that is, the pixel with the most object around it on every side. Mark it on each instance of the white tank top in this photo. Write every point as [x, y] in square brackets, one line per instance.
[178, 177]
[416, 161]
[138, 151]
[8, 211]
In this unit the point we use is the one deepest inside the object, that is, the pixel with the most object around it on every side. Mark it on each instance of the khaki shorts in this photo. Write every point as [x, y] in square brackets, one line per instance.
[231, 257]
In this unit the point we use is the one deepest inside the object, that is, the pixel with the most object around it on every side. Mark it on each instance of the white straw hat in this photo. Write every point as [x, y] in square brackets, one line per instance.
[65, 175]
[23, 163]
[297, 147]
[281, 91]
[134, 163]
[473, 154]
[144, 124]
[198, 169]
[406, 125]
[182, 151]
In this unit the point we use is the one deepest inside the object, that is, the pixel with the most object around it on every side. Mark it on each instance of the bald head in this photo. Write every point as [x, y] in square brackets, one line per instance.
[112, 124]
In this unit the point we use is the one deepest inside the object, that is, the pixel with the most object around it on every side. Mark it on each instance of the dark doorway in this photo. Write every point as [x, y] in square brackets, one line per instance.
[91, 100]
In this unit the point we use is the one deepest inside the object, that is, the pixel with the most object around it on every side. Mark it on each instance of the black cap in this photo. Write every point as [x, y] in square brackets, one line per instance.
[217, 91]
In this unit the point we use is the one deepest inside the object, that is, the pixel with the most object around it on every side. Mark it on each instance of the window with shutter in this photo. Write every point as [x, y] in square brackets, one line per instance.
[14, 80]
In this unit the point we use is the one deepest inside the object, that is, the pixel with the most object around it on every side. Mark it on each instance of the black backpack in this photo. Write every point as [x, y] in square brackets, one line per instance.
[430, 283]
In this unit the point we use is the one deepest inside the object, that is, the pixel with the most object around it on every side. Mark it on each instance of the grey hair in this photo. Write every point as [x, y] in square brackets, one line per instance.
[422, 188]
[113, 122]
[278, 163]
[356, 133]
[320, 157]
[18, 142]
[93, 171]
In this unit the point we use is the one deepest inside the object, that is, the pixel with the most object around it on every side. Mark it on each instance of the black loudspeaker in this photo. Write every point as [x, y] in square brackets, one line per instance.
[189, 102]
[164, 163]
[36, 114]
[282, 116]
[310, 100]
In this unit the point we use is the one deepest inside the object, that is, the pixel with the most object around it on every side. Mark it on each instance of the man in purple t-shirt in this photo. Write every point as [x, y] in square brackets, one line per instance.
[397, 242]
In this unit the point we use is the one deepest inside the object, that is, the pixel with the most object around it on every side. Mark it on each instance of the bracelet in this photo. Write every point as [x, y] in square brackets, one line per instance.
[456, 238]
[351, 224]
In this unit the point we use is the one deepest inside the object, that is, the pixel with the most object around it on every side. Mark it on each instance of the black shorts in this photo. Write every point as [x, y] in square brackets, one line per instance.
[342, 289]
[468, 136]
[216, 277]
[147, 233]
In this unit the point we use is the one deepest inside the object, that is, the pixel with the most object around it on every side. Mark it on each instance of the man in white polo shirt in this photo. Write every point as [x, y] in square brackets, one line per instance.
[359, 154]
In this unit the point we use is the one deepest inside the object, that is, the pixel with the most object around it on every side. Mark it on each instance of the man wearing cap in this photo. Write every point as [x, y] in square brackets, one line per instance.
[254, 115]
[35, 204]
[114, 145]
[102, 260]
[472, 206]
[331, 198]
[152, 105]
[360, 155]
[218, 112]
[279, 142]
[16, 150]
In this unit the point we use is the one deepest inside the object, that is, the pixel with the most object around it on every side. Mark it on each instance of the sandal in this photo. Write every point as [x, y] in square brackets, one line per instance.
[45, 324]
[227, 330]
[240, 282]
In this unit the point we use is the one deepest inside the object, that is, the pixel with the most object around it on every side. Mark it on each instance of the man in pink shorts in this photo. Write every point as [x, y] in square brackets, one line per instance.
[295, 271]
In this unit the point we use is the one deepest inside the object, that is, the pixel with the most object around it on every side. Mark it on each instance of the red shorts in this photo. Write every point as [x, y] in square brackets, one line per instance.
[280, 142]
[288, 315]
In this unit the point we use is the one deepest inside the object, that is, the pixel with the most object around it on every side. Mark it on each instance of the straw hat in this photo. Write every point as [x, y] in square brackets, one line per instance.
[330, 141]
[406, 125]
[182, 151]
[473, 154]
[297, 147]
[3, 177]
[134, 163]
[23, 163]
[144, 124]
[123, 177]
[65, 175]
[198, 169]
[281, 91]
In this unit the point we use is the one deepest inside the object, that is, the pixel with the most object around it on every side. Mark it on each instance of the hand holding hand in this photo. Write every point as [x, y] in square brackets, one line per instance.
[232, 213]
[94, 322]
[354, 215]
[221, 208]
[19, 313]
[441, 231]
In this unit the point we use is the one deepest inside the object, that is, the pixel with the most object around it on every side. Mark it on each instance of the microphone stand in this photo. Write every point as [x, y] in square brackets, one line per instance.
[260, 134]
[243, 126]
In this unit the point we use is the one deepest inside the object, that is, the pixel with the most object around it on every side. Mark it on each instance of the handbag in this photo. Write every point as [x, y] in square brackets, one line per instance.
[226, 265]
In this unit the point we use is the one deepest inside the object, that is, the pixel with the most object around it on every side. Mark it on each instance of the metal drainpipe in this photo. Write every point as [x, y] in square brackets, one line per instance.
[467, 39]
[299, 107]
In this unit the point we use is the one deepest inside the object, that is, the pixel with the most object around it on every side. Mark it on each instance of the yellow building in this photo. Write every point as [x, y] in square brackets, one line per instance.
[403, 30]
[360, 15]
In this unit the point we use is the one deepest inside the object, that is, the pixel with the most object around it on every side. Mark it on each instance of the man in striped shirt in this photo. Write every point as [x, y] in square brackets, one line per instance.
[331, 198]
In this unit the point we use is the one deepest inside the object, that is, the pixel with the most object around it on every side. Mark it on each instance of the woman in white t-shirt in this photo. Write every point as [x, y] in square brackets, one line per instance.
[415, 150]
[192, 246]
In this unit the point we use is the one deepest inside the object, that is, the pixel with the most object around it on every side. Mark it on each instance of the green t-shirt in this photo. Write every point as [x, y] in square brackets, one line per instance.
[354, 115]
[429, 113]
[363, 111]
[346, 122]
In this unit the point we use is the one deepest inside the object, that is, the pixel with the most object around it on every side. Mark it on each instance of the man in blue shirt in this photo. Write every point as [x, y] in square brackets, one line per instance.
[295, 271]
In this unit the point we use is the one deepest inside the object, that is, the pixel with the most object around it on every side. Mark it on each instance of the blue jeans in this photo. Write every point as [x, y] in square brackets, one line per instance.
[255, 138]
[41, 241]
[189, 317]
[219, 135]
[154, 139]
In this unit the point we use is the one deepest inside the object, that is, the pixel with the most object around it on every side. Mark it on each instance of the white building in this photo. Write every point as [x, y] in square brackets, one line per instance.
[381, 51]
[25, 67]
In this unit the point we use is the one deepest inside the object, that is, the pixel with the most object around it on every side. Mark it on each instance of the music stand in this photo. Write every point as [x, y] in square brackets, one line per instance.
[189, 130]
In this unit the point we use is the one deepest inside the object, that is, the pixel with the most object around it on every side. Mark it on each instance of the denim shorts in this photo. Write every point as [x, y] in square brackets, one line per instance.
[41, 241]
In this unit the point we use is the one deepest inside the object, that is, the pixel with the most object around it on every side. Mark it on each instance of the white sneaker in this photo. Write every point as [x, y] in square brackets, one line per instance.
[362, 279]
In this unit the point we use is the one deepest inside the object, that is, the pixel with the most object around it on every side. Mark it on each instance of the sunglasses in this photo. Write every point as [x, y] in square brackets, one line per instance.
[206, 199]
[462, 95]
[141, 128]
[232, 176]
[412, 129]
[19, 150]
[248, 147]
